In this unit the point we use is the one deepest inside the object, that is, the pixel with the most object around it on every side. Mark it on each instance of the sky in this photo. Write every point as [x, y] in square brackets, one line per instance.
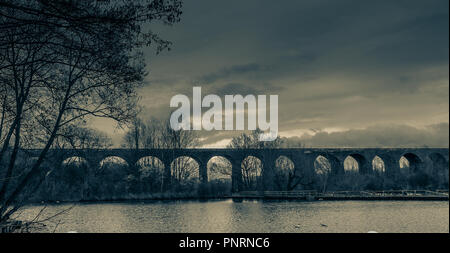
[347, 73]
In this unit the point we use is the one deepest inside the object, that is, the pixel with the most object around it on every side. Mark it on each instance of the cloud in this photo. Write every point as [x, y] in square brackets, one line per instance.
[334, 64]
[243, 89]
[235, 88]
[436, 135]
[375, 136]
[231, 71]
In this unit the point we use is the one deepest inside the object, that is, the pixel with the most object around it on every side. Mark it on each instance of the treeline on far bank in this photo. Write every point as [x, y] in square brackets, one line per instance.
[75, 181]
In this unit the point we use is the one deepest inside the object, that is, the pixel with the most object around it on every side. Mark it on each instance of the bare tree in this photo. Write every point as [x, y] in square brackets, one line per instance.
[220, 168]
[62, 62]
[75, 137]
[287, 177]
[252, 167]
[159, 134]
[323, 172]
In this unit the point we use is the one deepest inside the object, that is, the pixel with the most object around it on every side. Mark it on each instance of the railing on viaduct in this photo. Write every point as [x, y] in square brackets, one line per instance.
[302, 158]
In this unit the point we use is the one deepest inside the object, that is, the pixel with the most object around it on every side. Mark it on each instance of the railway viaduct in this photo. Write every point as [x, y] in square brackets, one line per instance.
[303, 159]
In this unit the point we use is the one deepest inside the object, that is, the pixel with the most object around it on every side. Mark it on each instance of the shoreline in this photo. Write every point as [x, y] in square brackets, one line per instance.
[246, 198]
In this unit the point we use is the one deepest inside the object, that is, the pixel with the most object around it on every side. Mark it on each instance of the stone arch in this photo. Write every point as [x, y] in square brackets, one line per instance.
[115, 168]
[323, 170]
[286, 178]
[413, 161]
[185, 167]
[113, 160]
[378, 165]
[284, 162]
[75, 160]
[68, 181]
[219, 170]
[149, 161]
[322, 165]
[75, 166]
[219, 167]
[357, 163]
[351, 165]
[251, 170]
[151, 173]
[110, 178]
[152, 162]
[336, 167]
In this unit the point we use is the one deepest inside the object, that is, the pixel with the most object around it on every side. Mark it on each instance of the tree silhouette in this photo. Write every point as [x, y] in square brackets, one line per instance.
[61, 62]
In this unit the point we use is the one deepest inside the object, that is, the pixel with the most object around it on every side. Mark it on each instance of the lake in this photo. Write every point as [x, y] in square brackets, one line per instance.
[227, 216]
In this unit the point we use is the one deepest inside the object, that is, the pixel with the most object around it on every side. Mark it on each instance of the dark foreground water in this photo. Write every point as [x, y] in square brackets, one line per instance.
[249, 216]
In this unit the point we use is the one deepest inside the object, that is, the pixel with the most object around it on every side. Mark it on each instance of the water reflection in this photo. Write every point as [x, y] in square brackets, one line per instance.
[251, 216]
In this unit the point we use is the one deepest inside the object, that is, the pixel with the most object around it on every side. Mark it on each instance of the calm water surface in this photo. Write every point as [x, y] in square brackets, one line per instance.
[251, 216]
